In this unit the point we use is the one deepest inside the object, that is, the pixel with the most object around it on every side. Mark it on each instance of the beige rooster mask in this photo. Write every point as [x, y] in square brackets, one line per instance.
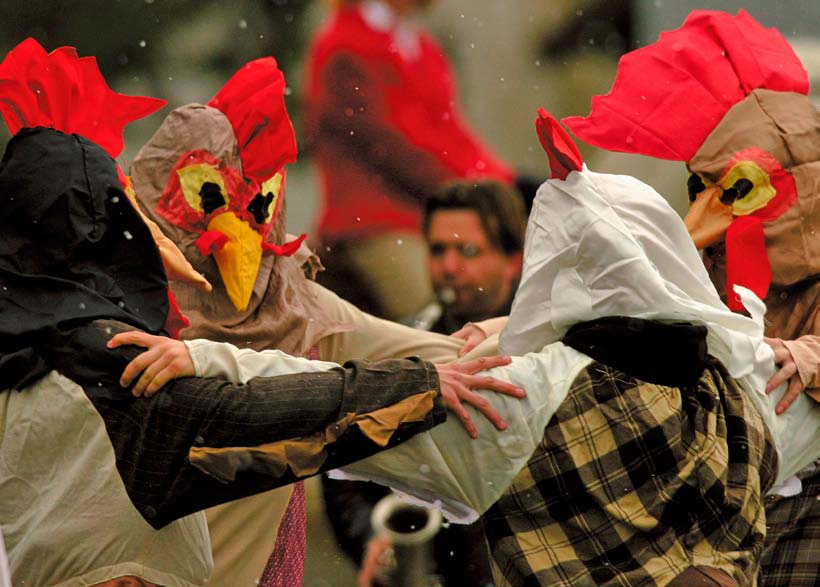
[728, 97]
[213, 179]
[219, 171]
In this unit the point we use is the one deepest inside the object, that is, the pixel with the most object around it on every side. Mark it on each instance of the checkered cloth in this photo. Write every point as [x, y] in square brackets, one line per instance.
[635, 482]
[791, 557]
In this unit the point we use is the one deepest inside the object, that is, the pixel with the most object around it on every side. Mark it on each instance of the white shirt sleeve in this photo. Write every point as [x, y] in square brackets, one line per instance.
[221, 359]
[444, 468]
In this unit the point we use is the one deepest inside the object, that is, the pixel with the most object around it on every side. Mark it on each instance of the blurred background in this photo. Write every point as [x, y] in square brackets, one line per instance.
[511, 57]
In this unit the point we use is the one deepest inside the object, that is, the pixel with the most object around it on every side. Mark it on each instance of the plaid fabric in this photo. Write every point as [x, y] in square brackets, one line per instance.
[791, 556]
[635, 482]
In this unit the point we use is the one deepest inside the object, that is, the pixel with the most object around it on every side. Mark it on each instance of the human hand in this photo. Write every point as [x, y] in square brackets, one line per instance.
[787, 372]
[457, 380]
[377, 563]
[165, 359]
[472, 335]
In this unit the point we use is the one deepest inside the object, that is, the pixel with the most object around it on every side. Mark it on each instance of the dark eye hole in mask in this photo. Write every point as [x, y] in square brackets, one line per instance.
[694, 185]
[260, 207]
[212, 197]
[740, 189]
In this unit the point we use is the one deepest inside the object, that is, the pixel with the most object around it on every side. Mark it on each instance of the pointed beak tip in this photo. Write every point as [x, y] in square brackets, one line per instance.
[240, 300]
[239, 260]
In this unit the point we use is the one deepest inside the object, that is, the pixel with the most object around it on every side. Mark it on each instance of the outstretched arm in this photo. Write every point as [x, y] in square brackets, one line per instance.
[200, 442]
[166, 359]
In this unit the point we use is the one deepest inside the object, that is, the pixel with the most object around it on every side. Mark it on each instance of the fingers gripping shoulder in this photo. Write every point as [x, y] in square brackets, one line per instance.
[81, 354]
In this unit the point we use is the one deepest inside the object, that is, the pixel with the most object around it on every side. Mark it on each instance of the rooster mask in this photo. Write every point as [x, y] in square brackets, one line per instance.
[213, 179]
[66, 93]
[728, 97]
[226, 184]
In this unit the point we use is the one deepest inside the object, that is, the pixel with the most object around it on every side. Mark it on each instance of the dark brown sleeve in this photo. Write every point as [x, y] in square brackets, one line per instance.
[352, 114]
[201, 442]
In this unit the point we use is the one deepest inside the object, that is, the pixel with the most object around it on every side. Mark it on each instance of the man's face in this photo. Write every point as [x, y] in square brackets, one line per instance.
[464, 260]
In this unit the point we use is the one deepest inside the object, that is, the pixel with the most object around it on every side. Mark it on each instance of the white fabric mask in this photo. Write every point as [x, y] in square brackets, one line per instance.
[609, 245]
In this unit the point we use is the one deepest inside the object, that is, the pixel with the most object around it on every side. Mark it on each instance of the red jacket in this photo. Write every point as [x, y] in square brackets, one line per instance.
[386, 130]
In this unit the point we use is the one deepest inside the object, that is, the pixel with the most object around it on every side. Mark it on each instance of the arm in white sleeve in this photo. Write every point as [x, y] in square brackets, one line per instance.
[464, 477]
[224, 360]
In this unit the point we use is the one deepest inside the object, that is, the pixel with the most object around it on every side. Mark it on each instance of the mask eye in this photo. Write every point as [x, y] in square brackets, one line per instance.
[746, 188]
[264, 203]
[740, 189]
[694, 185]
[203, 187]
[260, 207]
[212, 197]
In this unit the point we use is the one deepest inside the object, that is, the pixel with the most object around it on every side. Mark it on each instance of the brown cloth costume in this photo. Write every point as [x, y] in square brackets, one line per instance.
[280, 315]
[786, 125]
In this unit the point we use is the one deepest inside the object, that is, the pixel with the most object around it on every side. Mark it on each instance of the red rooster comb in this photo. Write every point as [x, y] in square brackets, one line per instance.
[66, 92]
[668, 96]
[253, 100]
[561, 150]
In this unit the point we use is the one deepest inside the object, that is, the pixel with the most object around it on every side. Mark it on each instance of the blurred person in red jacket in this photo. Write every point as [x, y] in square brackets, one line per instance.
[382, 114]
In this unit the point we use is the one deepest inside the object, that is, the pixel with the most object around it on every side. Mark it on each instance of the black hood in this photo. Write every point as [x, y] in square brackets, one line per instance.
[72, 250]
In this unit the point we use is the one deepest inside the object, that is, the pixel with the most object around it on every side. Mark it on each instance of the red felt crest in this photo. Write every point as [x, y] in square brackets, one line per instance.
[561, 150]
[253, 100]
[668, 96]
[66, 92]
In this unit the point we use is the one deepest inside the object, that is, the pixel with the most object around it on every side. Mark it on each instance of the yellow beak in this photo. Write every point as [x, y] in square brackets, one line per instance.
[238, 261]
[708, 217]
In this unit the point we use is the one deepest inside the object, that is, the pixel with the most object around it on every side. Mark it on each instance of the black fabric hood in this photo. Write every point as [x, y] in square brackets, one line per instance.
[72, 250]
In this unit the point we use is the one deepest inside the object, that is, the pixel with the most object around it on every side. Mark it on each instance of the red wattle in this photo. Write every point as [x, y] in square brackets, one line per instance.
[211, 241]
[747, 263]
[284, 250]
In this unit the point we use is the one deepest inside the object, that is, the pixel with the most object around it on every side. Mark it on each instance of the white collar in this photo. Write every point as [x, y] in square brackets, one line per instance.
[379, 16]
